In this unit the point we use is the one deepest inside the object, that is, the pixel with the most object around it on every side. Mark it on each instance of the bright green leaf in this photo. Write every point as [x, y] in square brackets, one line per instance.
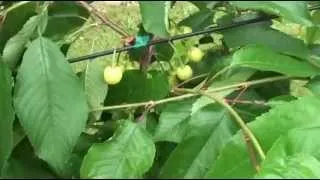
[234, 160]
[155, 17]
[296, 11]
[265, 59]
[173, 121]
[294, 155]
[299, 140]
[128, 154]
[208, 131]
[95, 87]
[50, 103]
[292, 167]
[262, 34]
[6, 114]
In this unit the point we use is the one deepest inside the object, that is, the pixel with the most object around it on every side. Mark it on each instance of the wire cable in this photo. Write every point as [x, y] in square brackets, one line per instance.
[178, 37]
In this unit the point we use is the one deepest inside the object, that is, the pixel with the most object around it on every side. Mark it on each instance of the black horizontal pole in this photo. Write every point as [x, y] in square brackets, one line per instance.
[177, 37]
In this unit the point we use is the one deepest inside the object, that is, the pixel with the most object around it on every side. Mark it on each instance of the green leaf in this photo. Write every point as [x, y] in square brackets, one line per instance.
[64, 18]
[234, 160]
[295, 11]
[164, 52]
[24, 164]
[265, 59]
[50, 103]
[199, 20]
[155, 17]
[137, 86]
[297, 146]
[298, 140]
[262, 34]
[95, 87]
[128, 154]
[295, 166]
[173, 121]
[208, 131]
[15, 46]
[6, 114]
[14, 20]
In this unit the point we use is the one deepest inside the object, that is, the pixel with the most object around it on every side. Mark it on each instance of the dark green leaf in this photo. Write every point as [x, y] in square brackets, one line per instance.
[265, 59]
[24, 164]
[18, 133]
[155, 17]
[271, 89]
[128, 154]
[15, 46]
[205, 4]
[14, 20]
[6, 114]
[262, 34]
[137, 86]
[199, 20]
[234, 160]
[164, 150]
[50, 103]
[208, 131]
[64, 18]
[164, 52]
[248, 111]
[294, 11]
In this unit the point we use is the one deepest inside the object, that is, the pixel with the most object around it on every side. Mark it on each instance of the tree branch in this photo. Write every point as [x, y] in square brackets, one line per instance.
[104, 19]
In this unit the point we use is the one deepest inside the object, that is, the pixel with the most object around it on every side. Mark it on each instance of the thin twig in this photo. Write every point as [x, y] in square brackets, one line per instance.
[251, 152]
[104, 19]
[246, 102]
[181, 97]
[236, 116]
